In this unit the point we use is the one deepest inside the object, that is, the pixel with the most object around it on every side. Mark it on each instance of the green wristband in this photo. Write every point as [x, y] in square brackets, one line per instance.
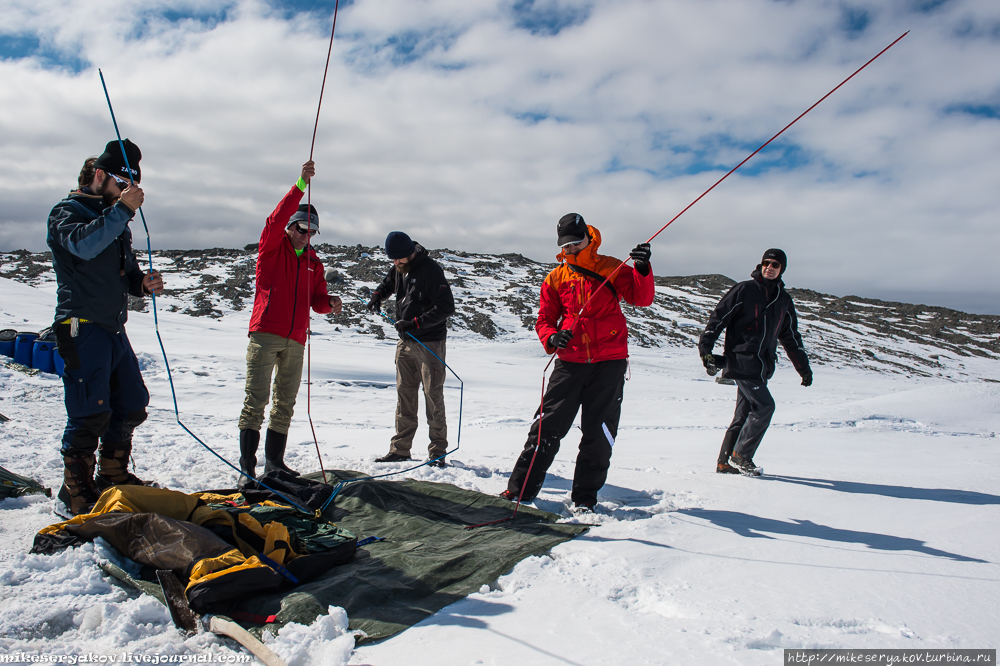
[301, 184]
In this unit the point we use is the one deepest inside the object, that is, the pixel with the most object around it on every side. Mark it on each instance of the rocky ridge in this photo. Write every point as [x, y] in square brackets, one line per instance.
[497, 299]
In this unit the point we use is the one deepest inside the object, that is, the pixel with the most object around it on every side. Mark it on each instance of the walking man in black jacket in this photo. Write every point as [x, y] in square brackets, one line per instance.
[423, 304]
[756, 315]
[96, 270]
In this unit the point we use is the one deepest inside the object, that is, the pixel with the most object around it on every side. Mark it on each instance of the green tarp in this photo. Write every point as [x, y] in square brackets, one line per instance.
[427, 561]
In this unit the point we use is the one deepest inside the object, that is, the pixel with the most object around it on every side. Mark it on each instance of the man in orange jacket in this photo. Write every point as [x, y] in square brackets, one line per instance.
[580, 319]
[290, 280]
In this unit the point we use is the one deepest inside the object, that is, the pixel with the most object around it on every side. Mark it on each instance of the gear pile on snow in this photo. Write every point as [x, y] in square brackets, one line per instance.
[223, 548]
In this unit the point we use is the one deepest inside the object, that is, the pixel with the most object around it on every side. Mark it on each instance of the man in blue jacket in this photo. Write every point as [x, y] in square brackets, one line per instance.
[756, 315]
[96, 270]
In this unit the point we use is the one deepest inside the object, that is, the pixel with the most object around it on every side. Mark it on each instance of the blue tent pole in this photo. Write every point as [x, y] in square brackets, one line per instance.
[156, 323]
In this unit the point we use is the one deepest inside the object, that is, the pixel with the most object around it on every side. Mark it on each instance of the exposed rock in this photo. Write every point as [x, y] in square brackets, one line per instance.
[497, 291]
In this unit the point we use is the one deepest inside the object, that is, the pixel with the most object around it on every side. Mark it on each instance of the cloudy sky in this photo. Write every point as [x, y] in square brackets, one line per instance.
[476, 124]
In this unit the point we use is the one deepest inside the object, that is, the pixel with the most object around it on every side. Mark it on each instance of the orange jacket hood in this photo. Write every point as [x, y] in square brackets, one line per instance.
[587, 257]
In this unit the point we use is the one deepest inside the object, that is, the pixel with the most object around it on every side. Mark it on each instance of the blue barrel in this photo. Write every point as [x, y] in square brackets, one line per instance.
[58, 362]
[41, 355]
[23, 347]
[7, 338]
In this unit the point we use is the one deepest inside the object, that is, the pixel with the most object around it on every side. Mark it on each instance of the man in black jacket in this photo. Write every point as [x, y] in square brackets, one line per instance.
[756, 315]
[96, 270]
[423, 304]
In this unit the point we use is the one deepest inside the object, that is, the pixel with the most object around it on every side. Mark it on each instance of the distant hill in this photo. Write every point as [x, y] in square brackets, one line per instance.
[497, 298]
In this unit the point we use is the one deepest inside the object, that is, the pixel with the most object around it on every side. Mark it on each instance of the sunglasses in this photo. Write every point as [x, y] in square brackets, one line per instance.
[767, 263]
[574, 244]
[305, 232]
[122, 184]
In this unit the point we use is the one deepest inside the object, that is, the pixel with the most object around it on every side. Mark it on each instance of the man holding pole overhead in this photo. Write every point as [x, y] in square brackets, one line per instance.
[289, 281]
[96, 270]
[580, 319]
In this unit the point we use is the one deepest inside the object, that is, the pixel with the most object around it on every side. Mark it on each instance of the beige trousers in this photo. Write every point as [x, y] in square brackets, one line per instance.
[264, 352]
[415, 366]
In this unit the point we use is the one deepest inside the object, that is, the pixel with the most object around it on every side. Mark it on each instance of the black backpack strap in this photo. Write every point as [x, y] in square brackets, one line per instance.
[580, 270]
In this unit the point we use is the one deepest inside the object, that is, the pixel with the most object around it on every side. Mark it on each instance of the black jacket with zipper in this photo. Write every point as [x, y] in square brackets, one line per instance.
[94, 263]
[422, 294]
[755, 317]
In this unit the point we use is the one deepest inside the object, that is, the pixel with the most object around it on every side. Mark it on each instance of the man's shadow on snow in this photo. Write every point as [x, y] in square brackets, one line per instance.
[755, 527]
[901, 492]
[469, 613]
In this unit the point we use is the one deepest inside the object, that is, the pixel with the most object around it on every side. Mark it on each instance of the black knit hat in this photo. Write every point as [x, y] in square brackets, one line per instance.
[111, 161]
[398, 245]
[305, 212]
[571, 229]
[777, 255]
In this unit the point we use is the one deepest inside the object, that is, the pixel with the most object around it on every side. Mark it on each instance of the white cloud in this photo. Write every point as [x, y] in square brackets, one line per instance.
[445, 119]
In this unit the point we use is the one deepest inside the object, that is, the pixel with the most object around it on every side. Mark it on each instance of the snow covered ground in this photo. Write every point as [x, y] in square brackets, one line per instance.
[875, 525]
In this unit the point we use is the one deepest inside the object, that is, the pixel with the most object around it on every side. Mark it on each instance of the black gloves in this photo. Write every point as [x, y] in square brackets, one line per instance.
[640, 257]
[807, 380]
[406, 325]
[561, 339]
[711, 366]
[375, 305]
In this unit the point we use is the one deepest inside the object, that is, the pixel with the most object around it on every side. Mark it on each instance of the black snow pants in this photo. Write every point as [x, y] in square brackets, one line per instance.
[754, 409]
[597, 388]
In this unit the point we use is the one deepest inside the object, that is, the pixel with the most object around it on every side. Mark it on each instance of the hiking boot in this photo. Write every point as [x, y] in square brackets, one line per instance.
[440, 463]
[103, 482]
[393, 457]
[274, 452]
[79, 492]
[584, 507]
[723, 467]
[744, 465]
[112, 466]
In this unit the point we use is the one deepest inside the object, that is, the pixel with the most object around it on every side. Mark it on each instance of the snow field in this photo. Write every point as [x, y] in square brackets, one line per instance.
[873, 527]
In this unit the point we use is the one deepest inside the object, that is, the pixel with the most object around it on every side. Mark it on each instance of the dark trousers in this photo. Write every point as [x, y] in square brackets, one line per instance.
[105, 395]
[597, 388]
[754, 409]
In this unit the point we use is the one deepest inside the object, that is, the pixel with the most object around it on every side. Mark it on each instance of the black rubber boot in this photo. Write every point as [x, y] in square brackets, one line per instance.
[274, 452]
[249, 440]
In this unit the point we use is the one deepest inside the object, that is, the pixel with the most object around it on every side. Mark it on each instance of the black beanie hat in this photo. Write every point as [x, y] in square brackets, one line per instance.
[111, 161]
[777, 255]
[305, 212]
[398, 245]
[571, 229]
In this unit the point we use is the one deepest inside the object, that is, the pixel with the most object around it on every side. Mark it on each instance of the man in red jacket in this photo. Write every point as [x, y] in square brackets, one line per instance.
[591, 340]
[289, 281]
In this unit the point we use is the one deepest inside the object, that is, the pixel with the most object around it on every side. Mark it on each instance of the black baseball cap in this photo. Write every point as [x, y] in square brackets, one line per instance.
[571, 229]
[112, 161]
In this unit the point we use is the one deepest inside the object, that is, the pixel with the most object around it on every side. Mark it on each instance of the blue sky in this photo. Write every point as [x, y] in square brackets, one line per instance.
[476, 125]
